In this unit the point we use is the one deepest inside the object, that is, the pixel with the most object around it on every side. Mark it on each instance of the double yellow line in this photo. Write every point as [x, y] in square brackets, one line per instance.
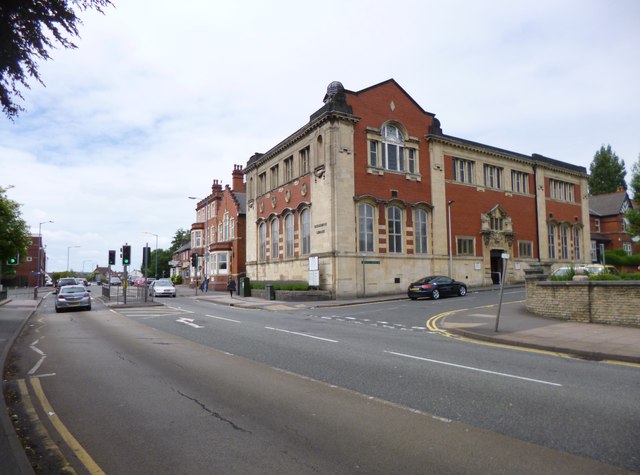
[78, 451]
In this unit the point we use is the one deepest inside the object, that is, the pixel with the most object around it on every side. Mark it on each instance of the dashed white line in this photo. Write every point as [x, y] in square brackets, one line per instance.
[301, 334]
[471, 368]
[222, 318]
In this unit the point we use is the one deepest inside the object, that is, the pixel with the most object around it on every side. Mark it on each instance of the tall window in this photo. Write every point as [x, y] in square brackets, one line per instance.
[365, 227]
[274, 239]
[519, 182]
[274, 176]
[496, 223]
[596, 224]
[561, 190]
[594, 251]
[420, 231]
[262, 252]
[411, 159]
[394, 223]
[462, 170]
[304, 161]
[288, 235]
[232, 228]
[197, 239]
[552, 241]
[492, 176]
[392, 148]
[225, 229]
[262, 183]
[373, 153]
[564, 242]
[628, 248]
[306, 231]
[577, 243]
[288, 169]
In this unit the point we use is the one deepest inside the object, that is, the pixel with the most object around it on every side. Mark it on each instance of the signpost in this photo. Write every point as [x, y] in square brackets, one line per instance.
[505, 259]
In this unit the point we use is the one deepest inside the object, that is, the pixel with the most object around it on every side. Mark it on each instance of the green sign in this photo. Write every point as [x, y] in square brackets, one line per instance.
[369, 262]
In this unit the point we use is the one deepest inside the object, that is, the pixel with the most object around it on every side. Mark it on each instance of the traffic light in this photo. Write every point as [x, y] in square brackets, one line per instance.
[126, 255]
[112, 258]
[194, 260]
[13, 261]
[146, 256]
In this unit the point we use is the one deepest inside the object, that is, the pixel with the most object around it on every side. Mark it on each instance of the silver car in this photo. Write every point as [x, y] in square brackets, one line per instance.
[73, 296]
[162, 288]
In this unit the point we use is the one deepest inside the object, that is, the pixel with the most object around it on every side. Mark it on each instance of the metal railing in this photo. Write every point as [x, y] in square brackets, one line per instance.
[134, 294]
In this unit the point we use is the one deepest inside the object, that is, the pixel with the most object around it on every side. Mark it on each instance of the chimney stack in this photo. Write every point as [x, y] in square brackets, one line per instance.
[237, 179]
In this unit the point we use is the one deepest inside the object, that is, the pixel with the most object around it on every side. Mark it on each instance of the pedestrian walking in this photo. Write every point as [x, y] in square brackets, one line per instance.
[205, 285]
[231, 287]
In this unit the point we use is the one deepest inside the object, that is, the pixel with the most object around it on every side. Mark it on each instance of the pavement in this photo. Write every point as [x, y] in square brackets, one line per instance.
[517, 327]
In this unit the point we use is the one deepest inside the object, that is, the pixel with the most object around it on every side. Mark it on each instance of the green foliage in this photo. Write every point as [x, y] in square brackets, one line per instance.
[14, 232]
[164, 256]
[633, 217]
[30, 28]
[568, 276]
[631, 276]
[179, 238]
[635, 180]
[620, 258]
[300, 286]
[606, 172]
[604, 276]
[176, 279]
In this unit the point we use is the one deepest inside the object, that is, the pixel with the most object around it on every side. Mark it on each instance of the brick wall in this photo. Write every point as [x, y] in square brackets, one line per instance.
[610, 302]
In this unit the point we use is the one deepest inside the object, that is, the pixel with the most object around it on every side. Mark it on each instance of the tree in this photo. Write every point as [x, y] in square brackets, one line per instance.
[178, 239]
[164, 269]
[28, 29]
[635, 180]
[633, 217]
[14, 233]
[606, 172]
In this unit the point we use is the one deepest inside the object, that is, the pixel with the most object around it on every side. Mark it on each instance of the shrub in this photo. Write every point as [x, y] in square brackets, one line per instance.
[176, 279]
[633, 276]
[604, 277]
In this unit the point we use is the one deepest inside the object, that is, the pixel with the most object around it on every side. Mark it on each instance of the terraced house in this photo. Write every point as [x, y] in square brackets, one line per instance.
[373, 194]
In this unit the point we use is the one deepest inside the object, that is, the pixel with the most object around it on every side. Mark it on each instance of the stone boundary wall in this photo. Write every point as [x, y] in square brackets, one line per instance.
[609, 302]
[294, 295]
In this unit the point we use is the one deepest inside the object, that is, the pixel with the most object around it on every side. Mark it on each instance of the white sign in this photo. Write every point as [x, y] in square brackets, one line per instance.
[314, 278]
[505, 255]
[313, 263]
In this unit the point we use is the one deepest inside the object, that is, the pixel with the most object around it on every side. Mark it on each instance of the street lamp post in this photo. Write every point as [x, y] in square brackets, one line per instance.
[68, 248]
[40, 250]
[449, 203]
[152, 234]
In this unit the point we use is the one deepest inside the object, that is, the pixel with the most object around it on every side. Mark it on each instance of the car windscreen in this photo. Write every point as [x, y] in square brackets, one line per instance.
[72, 290]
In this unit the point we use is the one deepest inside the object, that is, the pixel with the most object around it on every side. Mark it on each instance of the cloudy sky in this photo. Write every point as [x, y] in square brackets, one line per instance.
[162, 97]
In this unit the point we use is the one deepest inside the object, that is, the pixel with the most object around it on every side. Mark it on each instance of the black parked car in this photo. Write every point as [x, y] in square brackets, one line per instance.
[436, 286]
[64, 281]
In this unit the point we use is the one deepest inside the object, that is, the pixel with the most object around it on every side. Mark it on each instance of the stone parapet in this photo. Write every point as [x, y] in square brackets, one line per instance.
[609, 302]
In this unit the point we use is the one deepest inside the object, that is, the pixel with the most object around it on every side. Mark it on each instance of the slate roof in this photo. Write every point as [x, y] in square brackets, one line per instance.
[608, 204]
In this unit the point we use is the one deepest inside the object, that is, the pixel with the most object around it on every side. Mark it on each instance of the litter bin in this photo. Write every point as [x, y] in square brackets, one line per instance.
[245, 287]
[271, 294]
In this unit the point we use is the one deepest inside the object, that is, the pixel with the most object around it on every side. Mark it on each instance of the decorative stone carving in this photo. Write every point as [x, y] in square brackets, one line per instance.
[304, 190]
[287, 195]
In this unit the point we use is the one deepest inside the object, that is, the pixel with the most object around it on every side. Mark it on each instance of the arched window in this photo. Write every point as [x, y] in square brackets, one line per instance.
[262, 252]
[420, 231]
[274, 239]
[288, 235]
[365, 227]
[392, 148]
[305, 221]
[576, 243]
[394, 226]
[552, 240]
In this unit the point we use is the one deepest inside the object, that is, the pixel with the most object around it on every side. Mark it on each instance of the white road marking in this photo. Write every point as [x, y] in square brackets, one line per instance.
[222, 318]
[43, 356]
[301, 334]
[473, 369]
[188, 321]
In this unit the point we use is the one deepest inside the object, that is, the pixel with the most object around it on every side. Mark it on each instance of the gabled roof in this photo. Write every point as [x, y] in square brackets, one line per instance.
[608, 204]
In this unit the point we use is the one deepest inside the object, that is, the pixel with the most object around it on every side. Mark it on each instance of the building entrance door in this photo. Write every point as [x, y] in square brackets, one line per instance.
[496, 265]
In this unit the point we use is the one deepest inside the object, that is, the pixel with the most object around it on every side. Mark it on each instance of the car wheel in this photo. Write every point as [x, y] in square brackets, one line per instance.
[462, 291]
[413, 298]
[89, 307]
[435, 295]
[174, 296]
[57, 310]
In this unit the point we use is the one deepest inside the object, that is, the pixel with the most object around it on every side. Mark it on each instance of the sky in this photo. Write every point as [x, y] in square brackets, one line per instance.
[160, 98]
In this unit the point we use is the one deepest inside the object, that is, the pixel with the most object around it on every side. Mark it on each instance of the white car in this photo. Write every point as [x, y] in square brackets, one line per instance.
[162, 288]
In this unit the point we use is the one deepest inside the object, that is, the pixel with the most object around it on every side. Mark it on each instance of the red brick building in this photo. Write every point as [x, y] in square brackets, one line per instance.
[27, 269]
[609, 225]
[218, 235]
[373, 192]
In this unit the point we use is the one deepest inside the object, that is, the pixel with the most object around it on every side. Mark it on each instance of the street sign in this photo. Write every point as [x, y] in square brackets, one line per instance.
[369, 262]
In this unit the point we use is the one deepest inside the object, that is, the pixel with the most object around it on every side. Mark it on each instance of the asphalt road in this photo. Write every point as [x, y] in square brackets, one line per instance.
[193, 387]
